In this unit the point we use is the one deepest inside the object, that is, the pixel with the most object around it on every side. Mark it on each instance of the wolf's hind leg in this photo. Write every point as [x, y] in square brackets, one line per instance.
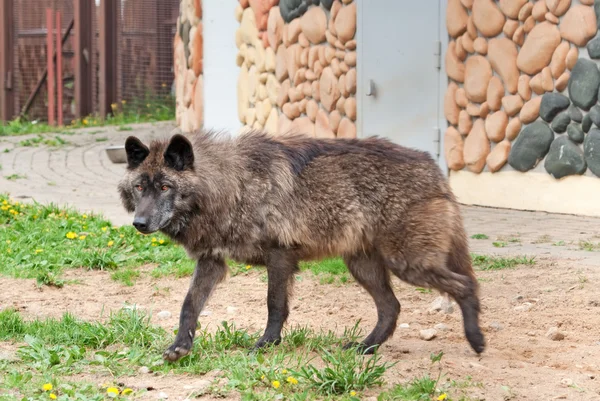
[208, 273]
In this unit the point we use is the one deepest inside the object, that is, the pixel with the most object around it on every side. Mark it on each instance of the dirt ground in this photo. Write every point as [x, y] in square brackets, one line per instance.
[519, 306]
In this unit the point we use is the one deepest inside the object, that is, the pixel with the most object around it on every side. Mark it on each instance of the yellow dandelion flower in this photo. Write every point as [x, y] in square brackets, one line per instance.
[352, 393]
[35, 216]
[52, 396]
[38, 251]
[71, 235]
[284, 371]
[4, 207]
[17, 203]
[84, 216]
[85, 121]
[47, 387]
[248, 267]
[276, 384]
[262, 377]
[127, 391]
[153, 244]
[112, 391]
[162, 241]
[104, 229]
[292, 380]
[113, 106]
[9, 250]
[111, 243]
[153, 239]
[82, 237]
[121, 235]
[148, 105]
[8, 241]
[5, 202]
[84, 226]
[123, 101]
[442, 397]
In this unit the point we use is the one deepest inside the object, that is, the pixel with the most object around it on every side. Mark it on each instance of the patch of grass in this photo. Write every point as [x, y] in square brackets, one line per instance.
[542, 239]
[479, 236]
[57, 141]
[499, 244]
[485, 262]
[124, 128]
[127, 276]
[329, 271]
[589, 246]
[101, 139]
[14, 177]
[150, 109]
[559, 243]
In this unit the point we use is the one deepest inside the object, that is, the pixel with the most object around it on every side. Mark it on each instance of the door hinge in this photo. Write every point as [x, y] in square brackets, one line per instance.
[437, 135]
[437, 54]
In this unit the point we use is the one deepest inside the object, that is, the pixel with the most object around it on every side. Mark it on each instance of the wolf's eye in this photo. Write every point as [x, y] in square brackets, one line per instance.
[139, 188]
[164, 188]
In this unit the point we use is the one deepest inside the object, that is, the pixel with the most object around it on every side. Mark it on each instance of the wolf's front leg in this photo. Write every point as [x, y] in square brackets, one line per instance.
[209, 272]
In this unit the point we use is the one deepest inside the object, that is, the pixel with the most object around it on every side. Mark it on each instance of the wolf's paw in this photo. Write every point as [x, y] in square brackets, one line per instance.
[266, 340]
[361, 348]
[175, 352]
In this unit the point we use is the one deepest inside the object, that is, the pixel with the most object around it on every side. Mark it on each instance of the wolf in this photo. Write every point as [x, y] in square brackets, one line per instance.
[278, 200]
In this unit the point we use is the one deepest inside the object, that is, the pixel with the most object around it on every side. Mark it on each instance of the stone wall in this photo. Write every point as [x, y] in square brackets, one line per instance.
[522, 89]
[297, 63]
[187, 60]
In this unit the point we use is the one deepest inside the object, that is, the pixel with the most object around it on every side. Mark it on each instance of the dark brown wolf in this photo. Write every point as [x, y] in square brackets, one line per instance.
[275, 201]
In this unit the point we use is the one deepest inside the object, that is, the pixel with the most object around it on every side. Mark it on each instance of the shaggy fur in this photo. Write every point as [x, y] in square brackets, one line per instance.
[275, 201]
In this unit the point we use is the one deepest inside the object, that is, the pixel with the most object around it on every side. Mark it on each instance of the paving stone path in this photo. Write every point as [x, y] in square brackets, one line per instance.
[80, 174]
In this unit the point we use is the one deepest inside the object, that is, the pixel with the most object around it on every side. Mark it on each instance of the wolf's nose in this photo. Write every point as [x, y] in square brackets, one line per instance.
[140, 223]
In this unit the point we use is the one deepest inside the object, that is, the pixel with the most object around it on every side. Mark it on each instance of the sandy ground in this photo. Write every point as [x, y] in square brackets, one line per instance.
[519, 306]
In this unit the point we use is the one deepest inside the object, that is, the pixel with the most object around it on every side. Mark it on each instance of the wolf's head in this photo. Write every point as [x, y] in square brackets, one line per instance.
[156, 184]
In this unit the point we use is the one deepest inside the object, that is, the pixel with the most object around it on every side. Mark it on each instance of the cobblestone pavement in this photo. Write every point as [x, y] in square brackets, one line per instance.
[80, 174]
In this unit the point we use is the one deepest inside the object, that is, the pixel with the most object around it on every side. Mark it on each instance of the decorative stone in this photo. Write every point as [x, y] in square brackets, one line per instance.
[538, 48]
[523, 87]
[281, 71]
[467, 43]
[329, 92]
[495, 92]
[484, 110]
[345, 23]
[465, 123]
[263, 109]
[498, 156]
[586, 124]
[471, 29]
[243, 95]
[473, 110]
[274, 27]
[339, 105]
[560, 122]
[346, 129]
[198, 103]
[350, 59]
[350, 108]
[476, 146]
[307, 89]
[316, 91]
[531, 110]
[584, 84]
[291, 9]
[291, 110]
[558, 62]
[334, 120]
[587, 2]
[525, 11]
[572, 57]
[551, 18]
[250, 116]
[480, 46]
[292, 60]
[272, 122]
[303, 40]
[575, 114]
[536, 84]
[502, 54]
[454, 67]
[478, 73]
[558, 7]
[487, 17]
[461, 98]
[495, 126]
[248, 30]
[562, 81]
[591, 151]
[461, 53]
[453, 149]
[529, 24]
[270, 59]
[261, 10]
[593, 48]
[303, 125]
[314, 24]
[512, 104]
[351, 81]
[294, 29]
[564, 158]
[351, 45]
[456, 18]
[197, 53]
[575, 133]
[594, 115]
[513, 128]
[511, 8]
[552, 104]
[335, 67]
[510, 27]
[578, 25]
[322, 129]
[531, 146]
[519, 36]
[547, 82]
[295, 94]
[539, 10]
[283, 96]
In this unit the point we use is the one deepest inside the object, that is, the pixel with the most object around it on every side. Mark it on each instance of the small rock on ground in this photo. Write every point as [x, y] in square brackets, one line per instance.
[428, 334]
[231, 309]
[496, 326]
[144, 370]
[205, 313]
[554, 334]
[441, 327]
[442, 304]
[523, 307]
[404, 326]
[164, 314]
[162, 396]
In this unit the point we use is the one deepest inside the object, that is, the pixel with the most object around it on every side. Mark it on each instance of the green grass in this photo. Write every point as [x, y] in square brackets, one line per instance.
[479, 236]
[151, 110]
[57, 141]
[14, 177]
[485, 262]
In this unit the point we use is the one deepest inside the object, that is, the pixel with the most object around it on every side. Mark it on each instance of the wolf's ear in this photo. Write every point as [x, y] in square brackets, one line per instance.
[179, 154]
[136, 152]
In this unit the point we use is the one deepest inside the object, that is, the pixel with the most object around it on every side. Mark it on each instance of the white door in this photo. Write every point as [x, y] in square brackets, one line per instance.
[399, 72]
